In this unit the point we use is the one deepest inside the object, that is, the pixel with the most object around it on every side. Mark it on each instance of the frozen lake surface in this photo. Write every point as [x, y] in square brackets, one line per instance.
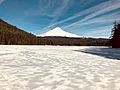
[59, 68]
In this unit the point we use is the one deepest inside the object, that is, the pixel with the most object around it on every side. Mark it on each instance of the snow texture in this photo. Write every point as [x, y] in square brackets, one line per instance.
[59, 68]
[59, 32]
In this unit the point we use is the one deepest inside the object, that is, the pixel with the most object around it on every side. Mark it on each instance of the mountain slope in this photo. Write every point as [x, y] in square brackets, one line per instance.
[11, 35]
[59, 32]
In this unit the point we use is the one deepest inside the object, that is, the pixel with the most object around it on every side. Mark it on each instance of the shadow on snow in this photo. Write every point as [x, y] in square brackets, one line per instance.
[110, 53]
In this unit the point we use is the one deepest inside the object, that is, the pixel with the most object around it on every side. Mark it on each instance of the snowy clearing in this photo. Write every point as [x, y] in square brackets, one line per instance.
[59, 68]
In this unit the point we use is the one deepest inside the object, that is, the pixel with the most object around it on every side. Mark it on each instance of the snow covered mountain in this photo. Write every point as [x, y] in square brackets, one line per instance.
[58, 32]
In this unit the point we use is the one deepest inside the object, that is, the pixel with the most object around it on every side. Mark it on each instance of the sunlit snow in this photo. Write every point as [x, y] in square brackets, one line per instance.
[59, 68]
[59, 32]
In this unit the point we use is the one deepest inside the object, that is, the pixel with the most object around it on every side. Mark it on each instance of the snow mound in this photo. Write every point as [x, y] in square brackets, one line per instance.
[59, 32]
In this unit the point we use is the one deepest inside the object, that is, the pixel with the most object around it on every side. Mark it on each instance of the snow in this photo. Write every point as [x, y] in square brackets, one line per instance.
[59, 68]
[59, 32]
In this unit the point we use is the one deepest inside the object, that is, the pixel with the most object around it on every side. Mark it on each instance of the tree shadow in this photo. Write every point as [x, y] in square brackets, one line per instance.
[110, 53]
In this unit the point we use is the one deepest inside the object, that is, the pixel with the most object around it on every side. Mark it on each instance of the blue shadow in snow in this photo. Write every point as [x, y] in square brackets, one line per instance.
[110, 53]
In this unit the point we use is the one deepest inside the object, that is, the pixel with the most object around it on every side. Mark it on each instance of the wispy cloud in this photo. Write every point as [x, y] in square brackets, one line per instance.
[51, 8]
[100, 33]
[57, 12]
[99, 14]
[84, 12]
[97, 10]
[64, 4]
[1, 1]
[111, 5]
[103, 19]
[60, 10]
[109, 18]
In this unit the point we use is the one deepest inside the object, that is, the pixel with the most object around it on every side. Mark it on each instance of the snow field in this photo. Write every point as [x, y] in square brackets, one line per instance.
[57, 68]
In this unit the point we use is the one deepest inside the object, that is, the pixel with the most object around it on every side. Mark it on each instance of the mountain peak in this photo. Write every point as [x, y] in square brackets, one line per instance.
[59, 32]
[57, 29]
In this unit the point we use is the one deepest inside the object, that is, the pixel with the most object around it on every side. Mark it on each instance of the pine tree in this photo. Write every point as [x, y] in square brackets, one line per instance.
[115, 37]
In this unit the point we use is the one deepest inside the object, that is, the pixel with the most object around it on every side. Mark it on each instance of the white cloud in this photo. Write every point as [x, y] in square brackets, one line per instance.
[57, 12]
[95, 11]
[86, 11]
[1, 1]
[105, 18]
[112, 6]
[61, 9]
[51, 8]
[100, 33]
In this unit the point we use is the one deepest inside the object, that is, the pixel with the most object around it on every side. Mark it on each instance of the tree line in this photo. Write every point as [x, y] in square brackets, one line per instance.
[115, 37]
[11, 35]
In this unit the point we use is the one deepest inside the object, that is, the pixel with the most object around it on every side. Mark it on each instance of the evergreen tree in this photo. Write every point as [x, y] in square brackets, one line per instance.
[115, 37]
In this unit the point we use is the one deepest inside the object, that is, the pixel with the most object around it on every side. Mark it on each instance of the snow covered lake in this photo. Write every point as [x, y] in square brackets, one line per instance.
[59, 68]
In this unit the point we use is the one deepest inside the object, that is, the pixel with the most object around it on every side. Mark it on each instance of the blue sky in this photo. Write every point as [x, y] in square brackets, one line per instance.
[89, 18]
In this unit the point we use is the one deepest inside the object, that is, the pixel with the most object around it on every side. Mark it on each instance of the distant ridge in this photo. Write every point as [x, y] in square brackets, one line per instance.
[11, 35]
[58, 32]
